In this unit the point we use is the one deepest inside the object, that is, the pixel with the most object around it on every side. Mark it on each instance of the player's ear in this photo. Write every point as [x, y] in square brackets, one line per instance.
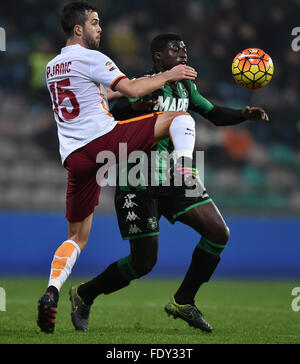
[157, 56]
[78, 30]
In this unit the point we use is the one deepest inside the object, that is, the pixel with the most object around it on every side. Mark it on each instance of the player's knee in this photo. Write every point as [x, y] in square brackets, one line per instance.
[144, 254]
[182, 113]
[145, 265]
[226, 234]
[188, 117]
[220, 234]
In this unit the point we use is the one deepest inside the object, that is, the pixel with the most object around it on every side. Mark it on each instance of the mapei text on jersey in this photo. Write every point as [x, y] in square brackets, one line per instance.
[171, 104]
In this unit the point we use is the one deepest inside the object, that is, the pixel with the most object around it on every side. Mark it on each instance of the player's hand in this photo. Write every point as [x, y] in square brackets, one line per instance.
[255, 113]
[181, 72]
[112, 95]
[143, 105]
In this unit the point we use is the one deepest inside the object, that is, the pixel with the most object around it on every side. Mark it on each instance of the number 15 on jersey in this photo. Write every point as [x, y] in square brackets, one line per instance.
[60, 95]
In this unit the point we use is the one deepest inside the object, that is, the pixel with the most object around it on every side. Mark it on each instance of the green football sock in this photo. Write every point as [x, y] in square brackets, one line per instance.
[126, 268]
[206, 257]
[116, 276]
[210, 247]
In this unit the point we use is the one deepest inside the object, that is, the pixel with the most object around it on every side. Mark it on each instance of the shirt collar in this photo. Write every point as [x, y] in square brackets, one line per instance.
[70, 48]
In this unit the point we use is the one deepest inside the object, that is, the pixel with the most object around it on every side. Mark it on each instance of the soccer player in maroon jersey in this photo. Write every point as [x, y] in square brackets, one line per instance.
[78, 79]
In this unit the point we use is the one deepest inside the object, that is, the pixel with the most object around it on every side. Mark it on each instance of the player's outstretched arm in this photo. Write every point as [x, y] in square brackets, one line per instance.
[255, 113]
[224, 116]
[143, 86]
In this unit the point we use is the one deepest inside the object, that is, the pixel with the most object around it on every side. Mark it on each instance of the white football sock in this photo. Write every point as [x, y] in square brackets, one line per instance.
[63, 262]
[182, 133]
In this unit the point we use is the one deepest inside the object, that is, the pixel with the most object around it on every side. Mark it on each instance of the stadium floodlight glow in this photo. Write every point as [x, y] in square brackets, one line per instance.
[2, 40]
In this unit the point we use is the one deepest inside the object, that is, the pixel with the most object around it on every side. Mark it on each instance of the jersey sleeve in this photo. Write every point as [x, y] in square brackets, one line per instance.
[103, 70]
[145, 97]
[198, 103]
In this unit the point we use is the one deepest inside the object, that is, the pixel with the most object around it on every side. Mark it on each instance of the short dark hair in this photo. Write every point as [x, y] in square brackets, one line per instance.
[75, 13]
[160, 42]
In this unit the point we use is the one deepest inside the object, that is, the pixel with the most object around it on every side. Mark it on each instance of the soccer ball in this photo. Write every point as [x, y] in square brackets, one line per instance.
[252, 68]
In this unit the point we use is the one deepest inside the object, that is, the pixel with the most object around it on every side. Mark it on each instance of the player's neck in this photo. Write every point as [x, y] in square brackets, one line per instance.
[73, 41]
[159, 68]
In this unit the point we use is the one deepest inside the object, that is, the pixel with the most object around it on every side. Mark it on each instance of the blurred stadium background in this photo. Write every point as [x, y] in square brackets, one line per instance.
[251, 171]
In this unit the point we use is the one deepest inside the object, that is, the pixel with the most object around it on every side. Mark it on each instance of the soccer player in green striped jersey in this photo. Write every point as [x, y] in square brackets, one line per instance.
[140, 208]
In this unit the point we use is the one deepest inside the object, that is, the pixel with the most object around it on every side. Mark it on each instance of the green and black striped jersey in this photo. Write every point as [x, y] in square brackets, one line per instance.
[178, 96]
[175, 96]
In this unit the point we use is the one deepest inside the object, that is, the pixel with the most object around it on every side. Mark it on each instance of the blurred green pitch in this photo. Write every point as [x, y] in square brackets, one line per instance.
[239, 311]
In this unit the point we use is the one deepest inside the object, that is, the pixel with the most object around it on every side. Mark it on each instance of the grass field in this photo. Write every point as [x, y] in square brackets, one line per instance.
[244, 312]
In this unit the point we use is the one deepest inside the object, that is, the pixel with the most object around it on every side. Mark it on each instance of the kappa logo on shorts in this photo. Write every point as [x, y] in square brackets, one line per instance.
[152, 223]
[133, 229]
[128, 203]
[132, 216]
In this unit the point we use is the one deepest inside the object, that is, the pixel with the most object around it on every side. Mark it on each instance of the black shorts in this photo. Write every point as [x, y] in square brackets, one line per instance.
[139, 211]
